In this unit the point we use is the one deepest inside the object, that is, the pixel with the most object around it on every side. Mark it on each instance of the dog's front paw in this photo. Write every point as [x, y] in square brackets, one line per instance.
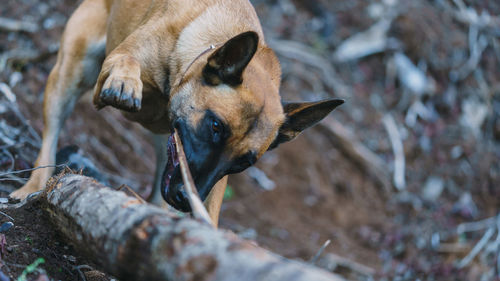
[122, 92]
[119, 84]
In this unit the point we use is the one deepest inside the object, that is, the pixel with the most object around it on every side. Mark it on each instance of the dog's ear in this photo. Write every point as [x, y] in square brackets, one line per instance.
[300, 116]
[226, 64]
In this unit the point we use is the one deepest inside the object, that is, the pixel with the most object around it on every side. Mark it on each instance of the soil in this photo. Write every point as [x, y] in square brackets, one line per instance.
[320, 192]
[32, 238]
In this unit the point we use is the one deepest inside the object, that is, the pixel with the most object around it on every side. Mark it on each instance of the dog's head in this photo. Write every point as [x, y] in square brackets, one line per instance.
[228, 112]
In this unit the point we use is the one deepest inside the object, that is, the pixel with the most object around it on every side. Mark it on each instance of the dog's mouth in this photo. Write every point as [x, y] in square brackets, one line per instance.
[172, 190]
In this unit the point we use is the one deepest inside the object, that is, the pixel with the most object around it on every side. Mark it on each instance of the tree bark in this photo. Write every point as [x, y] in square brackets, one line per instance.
[136, 241]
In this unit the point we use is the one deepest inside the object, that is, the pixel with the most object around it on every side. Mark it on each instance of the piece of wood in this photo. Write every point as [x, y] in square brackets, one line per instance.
[197, 208]
[357, 152]
[136, 241]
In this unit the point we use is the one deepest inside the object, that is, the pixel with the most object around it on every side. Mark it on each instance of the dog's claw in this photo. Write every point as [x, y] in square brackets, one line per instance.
[109, 96]
[137, 104]
[122, 95]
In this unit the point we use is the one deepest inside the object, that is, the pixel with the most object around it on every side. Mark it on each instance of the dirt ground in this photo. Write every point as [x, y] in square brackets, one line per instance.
[451, 145]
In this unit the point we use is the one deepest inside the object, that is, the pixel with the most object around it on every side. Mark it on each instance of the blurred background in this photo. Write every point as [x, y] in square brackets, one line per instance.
[403, 179]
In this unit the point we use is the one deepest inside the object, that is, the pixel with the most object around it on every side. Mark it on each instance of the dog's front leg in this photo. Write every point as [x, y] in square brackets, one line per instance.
[119, 83]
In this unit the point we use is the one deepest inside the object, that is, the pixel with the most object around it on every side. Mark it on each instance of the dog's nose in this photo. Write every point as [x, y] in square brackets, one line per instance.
[179, 201]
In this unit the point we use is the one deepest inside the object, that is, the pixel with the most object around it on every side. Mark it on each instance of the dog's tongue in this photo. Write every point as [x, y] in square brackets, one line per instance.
[173, 161]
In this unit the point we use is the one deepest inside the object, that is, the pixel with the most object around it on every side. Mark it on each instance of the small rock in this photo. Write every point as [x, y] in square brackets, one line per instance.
[4, 200]
[474, 113]
[311, 200]
[433, 188]
[7, 92]
[435, 240]
[365, 43]
[466, 207]
[376, 11]
[70, 258]
[411, 76]
[279, 233]
[15, 78]
[261, 178]
[456, 152]
[6, 226]
[249, 233]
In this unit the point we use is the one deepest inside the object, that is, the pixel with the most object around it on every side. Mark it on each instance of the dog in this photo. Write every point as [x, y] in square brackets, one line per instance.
[201, 67]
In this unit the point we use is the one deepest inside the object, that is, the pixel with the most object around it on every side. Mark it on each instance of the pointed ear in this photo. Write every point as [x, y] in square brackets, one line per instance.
[226, 64]
[300, 116]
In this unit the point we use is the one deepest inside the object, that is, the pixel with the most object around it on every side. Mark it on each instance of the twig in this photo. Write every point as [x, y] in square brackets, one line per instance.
[297, 51]
[80, 273]
[14, 178]
[79, 268]
[15, 265]
[31, 197]
[371, 41]
[17, 25]
[6, 189]
[12, 160]
[320, 252]
[479, 246]
[197, 207]
[84, 266]
[26, 55]
[16, 145]
[346, 263]
[131, 191]
[32, 169]
[471, 17]
[452, 247]
[496, 47]
[497, 245]
[397, 148]
[477, 45]
[4, 214]
[476, 226]
[11, 97]
[120, 179]
[356, 151]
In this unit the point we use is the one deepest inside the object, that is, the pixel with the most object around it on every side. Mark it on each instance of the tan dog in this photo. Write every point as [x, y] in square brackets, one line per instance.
[199, 66]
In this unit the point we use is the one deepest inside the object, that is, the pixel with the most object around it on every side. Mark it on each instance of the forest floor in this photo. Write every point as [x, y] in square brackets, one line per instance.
[424, 75]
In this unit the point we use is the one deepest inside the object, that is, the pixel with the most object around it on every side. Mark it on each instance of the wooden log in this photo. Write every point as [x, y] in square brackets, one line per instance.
[136, 241]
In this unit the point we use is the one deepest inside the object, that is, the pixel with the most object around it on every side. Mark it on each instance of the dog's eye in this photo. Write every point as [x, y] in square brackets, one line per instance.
[216, 127]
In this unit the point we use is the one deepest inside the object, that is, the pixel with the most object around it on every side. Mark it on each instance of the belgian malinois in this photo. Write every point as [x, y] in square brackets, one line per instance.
[200, 66]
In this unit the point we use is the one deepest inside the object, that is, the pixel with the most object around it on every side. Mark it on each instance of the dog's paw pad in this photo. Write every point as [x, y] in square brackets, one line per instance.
[124, 93]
